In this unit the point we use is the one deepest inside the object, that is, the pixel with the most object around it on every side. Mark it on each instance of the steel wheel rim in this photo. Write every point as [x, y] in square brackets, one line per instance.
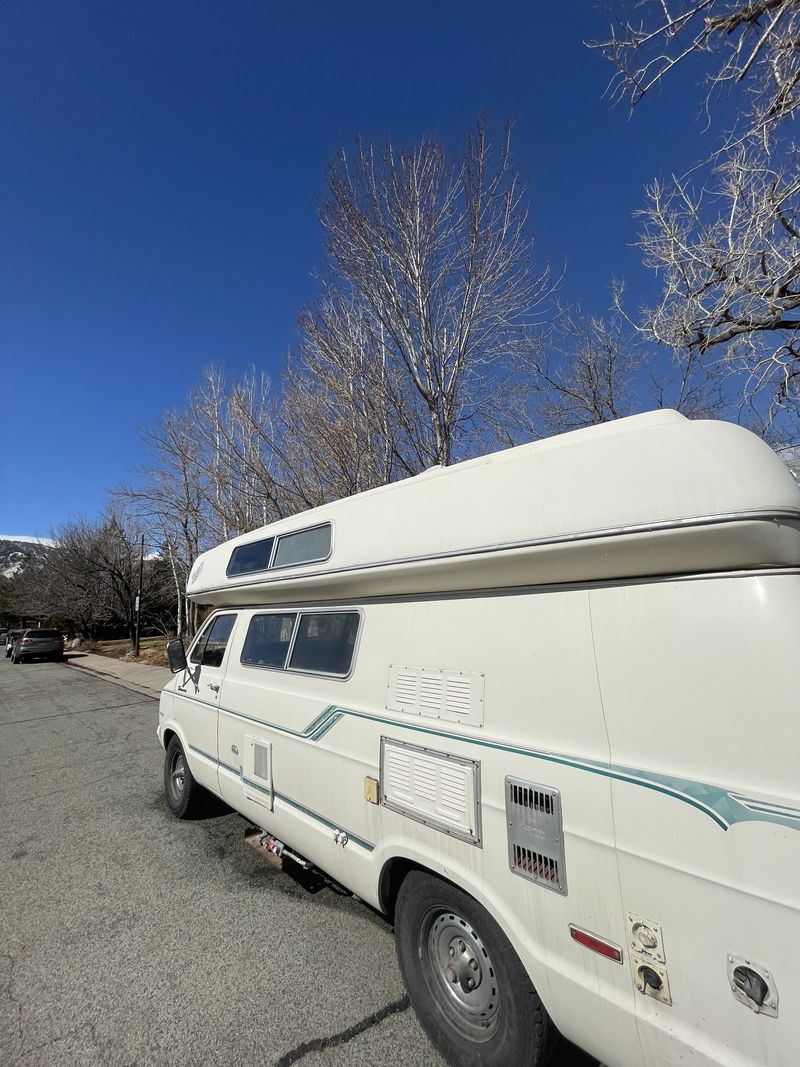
[177, 774]
[459, 973]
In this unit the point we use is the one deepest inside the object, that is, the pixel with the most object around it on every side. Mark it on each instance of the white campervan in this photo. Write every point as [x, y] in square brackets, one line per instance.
[541, 708]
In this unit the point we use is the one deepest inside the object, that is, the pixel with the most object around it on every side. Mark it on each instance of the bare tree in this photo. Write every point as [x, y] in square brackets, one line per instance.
[169, 499]
[89, 578]
[741, 40]
[345, 416]
[725, 239]
[582, 375]
[730, 272]
[235, 447]
[431, 259]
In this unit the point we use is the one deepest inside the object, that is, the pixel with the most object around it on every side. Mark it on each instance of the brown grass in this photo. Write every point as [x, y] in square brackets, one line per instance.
[151, 650]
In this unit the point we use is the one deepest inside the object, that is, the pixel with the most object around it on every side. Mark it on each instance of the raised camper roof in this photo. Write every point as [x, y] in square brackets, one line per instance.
[654, 494]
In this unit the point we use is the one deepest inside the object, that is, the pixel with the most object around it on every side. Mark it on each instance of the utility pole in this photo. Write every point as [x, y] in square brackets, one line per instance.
[139, 599]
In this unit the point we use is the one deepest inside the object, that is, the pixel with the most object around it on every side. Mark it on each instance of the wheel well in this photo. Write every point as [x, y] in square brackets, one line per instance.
[168, 736]
[392, 877]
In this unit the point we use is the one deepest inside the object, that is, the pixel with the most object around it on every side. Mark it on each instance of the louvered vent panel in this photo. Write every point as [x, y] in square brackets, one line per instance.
[456, 696]
[434, 788]
[430, 692]
[406, 688]
[399, 772]
[536, 834]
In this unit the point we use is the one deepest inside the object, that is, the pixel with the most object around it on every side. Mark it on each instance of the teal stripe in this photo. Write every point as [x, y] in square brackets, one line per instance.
[606, 770]
[326, 822]
[205, 755]
[723, 807]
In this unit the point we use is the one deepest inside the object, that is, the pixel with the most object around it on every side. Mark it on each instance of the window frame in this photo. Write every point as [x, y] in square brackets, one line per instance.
[298, 613]
[276, 540]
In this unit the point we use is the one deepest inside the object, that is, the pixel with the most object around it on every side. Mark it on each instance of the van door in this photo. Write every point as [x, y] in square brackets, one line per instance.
[289, 667]
[198, 710]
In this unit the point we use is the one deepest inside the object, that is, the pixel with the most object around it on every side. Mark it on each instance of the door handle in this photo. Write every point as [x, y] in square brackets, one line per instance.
[211, 685]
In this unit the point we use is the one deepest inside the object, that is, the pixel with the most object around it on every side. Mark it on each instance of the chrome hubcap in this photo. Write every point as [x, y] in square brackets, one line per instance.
[178, 772]
[461, 975]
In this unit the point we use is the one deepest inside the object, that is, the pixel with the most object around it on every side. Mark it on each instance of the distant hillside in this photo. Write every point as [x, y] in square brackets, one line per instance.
[16, 550]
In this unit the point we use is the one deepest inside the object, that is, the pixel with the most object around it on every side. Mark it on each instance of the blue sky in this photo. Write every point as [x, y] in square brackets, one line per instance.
[162, 165]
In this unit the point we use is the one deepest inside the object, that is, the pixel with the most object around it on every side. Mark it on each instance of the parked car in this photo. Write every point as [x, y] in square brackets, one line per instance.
[11, 637]
[49, 644]
[3, 634]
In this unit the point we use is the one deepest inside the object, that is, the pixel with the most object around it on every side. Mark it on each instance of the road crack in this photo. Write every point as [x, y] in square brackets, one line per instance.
[321, 1043]
[8, 992]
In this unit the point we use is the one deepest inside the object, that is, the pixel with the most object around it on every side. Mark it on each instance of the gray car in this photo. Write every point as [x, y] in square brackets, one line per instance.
[49, 644]
[11, 637]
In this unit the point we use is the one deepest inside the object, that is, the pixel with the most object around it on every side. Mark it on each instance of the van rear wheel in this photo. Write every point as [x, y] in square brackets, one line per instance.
[186, 799]
[465, 981]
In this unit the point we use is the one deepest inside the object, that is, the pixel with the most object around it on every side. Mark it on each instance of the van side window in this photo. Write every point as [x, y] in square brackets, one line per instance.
[325, 642]
[254, 556]
[217, 641]
[196, 655]
[268, 639]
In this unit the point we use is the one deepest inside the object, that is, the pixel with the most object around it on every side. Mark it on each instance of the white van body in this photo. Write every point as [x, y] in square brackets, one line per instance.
[602, 627]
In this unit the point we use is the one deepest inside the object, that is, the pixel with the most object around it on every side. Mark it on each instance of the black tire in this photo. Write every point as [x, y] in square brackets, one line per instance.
[445, 940]
[185, 797]
[16, 659]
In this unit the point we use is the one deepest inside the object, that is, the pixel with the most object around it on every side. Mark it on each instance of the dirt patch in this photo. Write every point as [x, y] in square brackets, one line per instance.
[151, 650]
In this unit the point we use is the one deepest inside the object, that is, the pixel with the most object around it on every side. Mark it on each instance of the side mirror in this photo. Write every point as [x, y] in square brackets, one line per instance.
[176, 656]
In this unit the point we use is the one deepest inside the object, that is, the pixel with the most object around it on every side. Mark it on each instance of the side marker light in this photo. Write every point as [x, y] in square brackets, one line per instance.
[596, 944]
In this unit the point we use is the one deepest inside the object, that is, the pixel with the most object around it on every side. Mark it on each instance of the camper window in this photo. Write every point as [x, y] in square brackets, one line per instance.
[268, 639]
[254, 556]
[305, 546]
[325, 642]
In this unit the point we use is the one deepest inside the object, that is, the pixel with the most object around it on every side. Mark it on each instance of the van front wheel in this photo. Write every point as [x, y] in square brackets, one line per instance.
[186, 799]
[465, 981]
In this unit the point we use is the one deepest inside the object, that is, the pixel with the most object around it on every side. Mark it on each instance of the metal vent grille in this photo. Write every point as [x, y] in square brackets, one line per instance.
[257, 771]
[535, 834]
[261, 762]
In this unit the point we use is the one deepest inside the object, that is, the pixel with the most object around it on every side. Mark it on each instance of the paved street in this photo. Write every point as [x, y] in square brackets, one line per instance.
[127, 937]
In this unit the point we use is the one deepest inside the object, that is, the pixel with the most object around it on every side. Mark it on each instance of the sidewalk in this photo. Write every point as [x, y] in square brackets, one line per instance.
[138, 676]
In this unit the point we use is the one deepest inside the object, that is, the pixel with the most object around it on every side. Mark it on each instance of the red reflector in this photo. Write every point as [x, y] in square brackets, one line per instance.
[596, 944]
[26, 641]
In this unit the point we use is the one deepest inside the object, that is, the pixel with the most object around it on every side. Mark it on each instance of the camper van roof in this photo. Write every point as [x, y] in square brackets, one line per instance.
[598, 503]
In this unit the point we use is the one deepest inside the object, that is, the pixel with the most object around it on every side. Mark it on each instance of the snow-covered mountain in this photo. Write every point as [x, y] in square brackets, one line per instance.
[16, 549]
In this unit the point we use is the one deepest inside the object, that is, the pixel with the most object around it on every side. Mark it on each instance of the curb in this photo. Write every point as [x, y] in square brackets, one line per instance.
[109, 676]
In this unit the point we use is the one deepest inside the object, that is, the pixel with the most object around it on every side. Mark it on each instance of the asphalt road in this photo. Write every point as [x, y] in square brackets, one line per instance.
[128, 937]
